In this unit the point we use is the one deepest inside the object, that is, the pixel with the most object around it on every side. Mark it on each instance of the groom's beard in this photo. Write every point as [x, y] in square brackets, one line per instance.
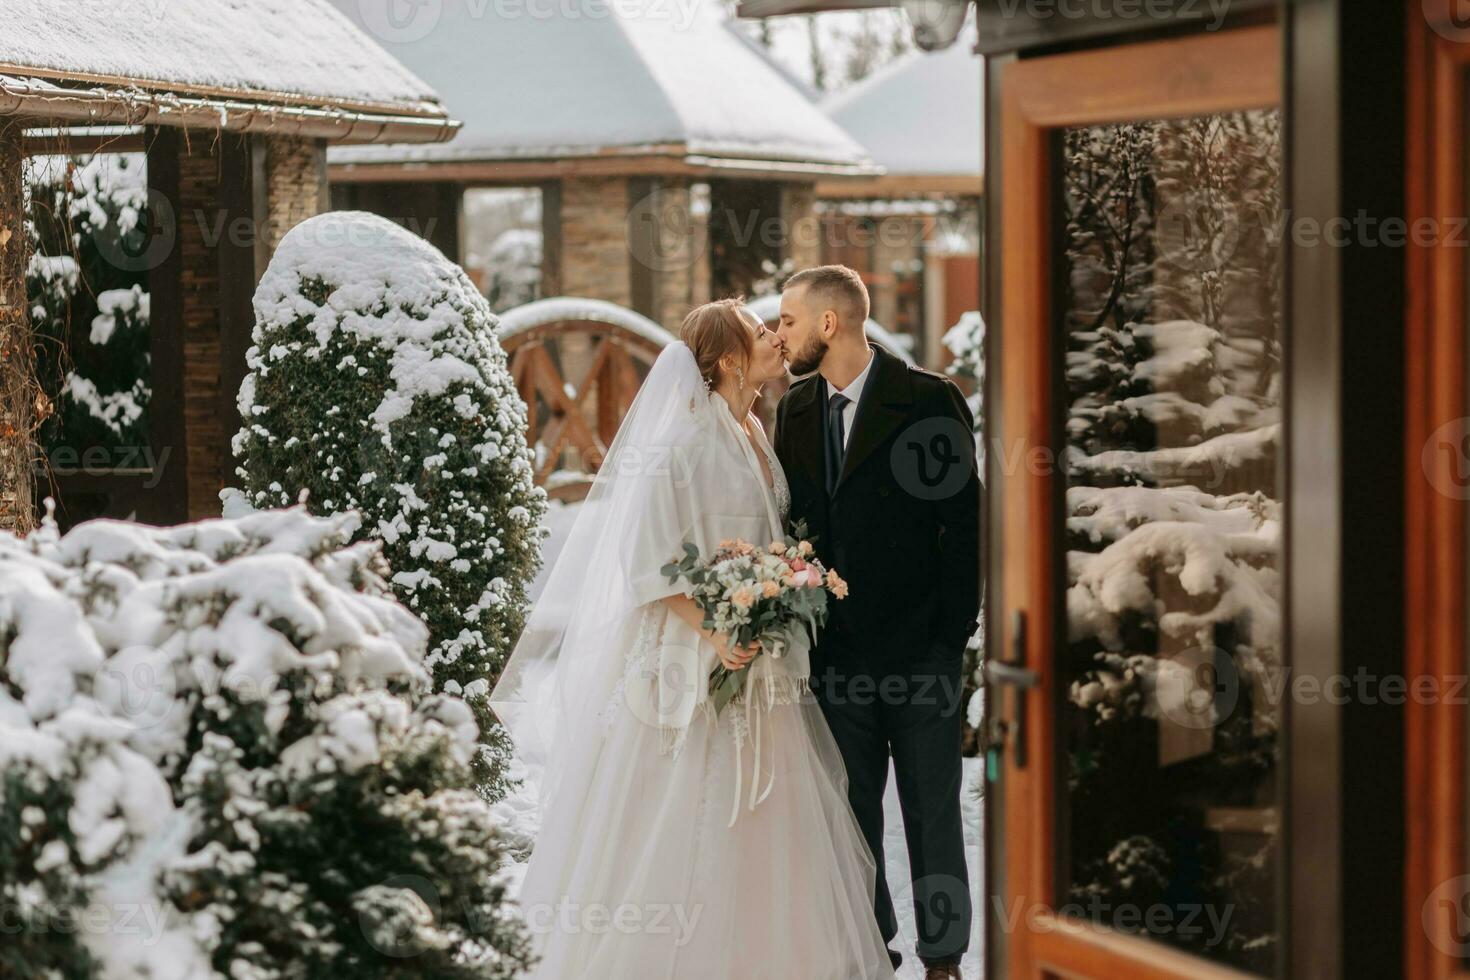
[809, 358]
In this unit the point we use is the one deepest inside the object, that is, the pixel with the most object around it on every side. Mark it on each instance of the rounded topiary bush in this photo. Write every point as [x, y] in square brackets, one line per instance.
[376, 385]
[219, 757]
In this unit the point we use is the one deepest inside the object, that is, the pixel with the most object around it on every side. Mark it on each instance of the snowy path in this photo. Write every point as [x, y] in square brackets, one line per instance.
[897, 863]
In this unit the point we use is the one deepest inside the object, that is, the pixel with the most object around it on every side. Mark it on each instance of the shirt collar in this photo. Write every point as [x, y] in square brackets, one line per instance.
[854, 391]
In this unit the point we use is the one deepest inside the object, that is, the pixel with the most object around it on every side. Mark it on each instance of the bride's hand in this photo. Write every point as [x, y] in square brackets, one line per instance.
[734, 657]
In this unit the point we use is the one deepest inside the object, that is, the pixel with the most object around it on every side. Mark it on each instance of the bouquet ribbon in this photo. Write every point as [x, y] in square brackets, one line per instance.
[753, 725]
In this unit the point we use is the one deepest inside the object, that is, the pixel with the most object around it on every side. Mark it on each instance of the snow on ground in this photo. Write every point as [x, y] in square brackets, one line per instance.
[896, 855]
[516, 815]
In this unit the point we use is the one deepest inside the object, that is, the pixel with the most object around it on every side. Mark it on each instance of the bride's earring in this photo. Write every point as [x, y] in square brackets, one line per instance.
[740, 376]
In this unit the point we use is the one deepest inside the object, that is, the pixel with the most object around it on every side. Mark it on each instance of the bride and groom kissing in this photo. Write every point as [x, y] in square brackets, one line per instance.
[681, 842]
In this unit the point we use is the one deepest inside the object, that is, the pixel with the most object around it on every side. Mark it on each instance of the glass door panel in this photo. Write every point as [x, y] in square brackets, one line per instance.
[1170, 309]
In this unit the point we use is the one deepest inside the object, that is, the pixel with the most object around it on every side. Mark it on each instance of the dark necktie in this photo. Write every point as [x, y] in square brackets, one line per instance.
[836, 451]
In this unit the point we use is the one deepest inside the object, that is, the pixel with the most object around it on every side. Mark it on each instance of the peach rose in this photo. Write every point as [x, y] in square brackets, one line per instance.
[770, 590]
[836, 583]
[743, 597]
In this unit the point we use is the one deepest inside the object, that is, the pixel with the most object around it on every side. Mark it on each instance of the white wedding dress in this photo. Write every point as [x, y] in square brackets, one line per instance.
[675, 845]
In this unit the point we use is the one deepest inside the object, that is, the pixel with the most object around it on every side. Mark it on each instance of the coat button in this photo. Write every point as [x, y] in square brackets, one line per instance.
[882, 491]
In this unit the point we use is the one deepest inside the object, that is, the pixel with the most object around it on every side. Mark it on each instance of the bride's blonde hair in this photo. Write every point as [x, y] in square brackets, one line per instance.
[714, 330]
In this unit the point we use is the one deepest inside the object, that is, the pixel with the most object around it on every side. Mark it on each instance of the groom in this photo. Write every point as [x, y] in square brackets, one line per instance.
[880, 458]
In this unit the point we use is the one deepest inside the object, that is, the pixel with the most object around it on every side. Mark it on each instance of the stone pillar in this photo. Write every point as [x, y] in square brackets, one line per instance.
[596, 261]
[668, 240]
[295, 179]
[802, 230]
[20, 395]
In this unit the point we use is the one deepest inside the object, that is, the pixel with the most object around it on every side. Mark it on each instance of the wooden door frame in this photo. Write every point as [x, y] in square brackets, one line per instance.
[1188, 76]
[1435, 563]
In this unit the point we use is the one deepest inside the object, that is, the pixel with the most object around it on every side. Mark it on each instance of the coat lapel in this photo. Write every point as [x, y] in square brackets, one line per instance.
[882, 409]
[808, 432]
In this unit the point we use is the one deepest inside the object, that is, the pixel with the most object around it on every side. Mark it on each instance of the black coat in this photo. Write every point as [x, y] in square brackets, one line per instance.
[903, 524]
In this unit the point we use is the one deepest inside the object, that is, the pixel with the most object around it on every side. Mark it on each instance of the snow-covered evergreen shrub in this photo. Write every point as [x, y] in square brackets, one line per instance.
[966, 341]
[219, 758]
[376, 385]
[89, 302]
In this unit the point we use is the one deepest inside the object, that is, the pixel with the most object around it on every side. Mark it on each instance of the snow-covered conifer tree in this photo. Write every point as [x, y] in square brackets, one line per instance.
[376, 385]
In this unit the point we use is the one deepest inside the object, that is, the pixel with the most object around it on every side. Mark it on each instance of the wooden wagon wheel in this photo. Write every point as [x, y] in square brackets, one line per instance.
[577, 416]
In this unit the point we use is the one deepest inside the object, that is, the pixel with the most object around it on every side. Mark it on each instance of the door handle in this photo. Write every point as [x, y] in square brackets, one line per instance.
[1013, 673]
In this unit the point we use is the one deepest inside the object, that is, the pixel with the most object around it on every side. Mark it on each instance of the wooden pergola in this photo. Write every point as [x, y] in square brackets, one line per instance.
[243, 152]
[572, 420]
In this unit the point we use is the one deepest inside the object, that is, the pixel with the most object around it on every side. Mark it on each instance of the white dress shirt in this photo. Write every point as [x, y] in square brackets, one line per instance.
[852, 393]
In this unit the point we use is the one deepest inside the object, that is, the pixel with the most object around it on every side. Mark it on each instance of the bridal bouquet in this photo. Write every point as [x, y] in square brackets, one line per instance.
[756, 594]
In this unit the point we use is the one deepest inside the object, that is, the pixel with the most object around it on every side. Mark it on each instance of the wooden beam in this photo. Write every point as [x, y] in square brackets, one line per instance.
[665, 162]
[760, 9]
[166, 330]
[894, 186]
[643, 233]
[68, 144]
[551, 243]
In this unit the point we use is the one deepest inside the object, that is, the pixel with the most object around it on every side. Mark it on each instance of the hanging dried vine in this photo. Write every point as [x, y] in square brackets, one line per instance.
[23, 405]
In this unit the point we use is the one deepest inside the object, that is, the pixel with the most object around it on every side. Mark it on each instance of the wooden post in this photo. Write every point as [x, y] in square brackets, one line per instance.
[21, 401]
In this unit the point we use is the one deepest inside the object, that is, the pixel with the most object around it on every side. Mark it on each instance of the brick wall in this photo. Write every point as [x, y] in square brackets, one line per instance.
[295, 178]
[594, 239]
[199, 287]
[288, 181]
[803, 239]
[681, 273]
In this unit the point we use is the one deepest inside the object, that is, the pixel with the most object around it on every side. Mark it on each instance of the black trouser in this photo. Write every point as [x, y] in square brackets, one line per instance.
[914, 714]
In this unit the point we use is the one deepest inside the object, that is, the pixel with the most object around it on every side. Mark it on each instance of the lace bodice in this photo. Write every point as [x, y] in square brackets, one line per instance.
[779, 486]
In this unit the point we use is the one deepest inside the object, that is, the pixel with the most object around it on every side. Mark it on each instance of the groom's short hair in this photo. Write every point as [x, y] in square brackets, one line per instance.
[842, 288]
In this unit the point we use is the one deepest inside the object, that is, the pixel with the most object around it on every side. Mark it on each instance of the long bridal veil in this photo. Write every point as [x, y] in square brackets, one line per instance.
[671, 475]
[648, 803]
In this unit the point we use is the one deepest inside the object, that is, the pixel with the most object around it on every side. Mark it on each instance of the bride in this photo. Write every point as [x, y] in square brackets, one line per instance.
[674, 844]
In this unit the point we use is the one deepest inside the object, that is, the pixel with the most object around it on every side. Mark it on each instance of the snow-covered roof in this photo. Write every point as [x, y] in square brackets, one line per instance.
[291, 52]
[921, 114]
[589, 78]
[576, 308]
